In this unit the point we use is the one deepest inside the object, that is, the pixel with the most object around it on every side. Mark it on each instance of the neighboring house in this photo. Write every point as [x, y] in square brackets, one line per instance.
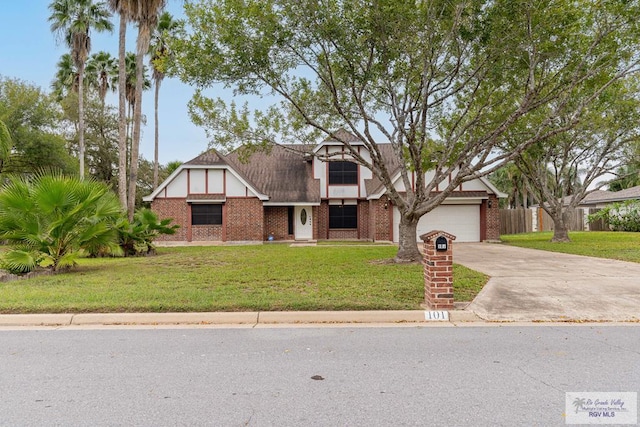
[597, 199]
[601, 198]
[289, 194]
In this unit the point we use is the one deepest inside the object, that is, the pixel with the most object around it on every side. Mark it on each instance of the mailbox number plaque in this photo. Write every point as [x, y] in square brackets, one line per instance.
[441, 244]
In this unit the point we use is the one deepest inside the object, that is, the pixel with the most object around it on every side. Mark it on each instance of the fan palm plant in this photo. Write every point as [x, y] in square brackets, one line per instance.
[73, 21]
[66, 79]
[47, 219]
[102, 74]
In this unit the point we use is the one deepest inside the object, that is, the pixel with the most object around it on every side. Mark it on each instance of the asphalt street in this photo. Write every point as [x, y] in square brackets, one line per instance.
[311, 376]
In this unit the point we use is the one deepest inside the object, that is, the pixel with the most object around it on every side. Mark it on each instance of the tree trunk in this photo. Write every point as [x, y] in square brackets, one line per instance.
[560, 227]
[137, 119]
[81, 118]
[122, 115]
[407, 242]
[155, 153]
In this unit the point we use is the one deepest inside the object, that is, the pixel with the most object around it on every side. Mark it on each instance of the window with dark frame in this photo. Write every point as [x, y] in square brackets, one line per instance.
[343, 216]
[343, 173]
[204, 214]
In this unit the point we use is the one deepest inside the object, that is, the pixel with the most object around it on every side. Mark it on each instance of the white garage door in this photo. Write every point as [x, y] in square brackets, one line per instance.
[463, 221]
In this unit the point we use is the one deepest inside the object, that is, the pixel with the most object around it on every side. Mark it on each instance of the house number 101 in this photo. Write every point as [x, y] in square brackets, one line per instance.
[436, 315]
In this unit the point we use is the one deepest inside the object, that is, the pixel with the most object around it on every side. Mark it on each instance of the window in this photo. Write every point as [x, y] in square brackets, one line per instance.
[343, 216]
[206, 214]
[343, 173]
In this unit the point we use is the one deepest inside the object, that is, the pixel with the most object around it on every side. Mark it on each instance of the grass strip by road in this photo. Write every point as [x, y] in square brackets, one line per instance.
[601, 244]
[234, 278]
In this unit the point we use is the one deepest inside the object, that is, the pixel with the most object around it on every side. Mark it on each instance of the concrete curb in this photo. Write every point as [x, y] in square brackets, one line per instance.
[35, 319]
[165, 318]
[235, 318]
[394, 316]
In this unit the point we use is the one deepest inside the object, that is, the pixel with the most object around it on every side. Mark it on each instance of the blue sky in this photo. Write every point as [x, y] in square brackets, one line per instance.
[29, 51]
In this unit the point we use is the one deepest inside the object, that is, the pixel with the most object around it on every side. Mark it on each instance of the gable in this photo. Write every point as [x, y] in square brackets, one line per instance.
[476, 188]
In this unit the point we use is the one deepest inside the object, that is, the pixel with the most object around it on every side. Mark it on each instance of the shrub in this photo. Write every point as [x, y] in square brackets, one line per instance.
[624, 216]
[137, 238]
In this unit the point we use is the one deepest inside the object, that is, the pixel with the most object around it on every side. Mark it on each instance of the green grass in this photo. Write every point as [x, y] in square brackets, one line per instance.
[239, 278]
[602, 244]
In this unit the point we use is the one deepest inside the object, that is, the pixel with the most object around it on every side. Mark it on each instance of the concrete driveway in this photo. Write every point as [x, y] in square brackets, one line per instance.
[534, 285]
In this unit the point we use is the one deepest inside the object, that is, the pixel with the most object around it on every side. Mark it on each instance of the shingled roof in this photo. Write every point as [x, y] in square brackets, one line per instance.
[284, 174]
[208, 158]
[342, 135]
[374, 185]
[600, 196]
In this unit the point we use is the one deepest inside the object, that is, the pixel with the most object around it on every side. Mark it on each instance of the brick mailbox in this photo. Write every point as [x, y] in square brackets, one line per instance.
[438, 270]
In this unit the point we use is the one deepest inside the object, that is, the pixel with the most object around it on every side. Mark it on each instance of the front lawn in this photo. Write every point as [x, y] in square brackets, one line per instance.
[234, 278]
[602, 244]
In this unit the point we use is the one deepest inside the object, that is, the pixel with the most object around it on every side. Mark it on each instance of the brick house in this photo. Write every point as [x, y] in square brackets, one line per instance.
[290, 194]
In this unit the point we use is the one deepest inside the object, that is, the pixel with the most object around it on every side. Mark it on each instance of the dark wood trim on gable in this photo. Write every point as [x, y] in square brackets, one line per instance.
[359, 188]
[224, 182]
[326, 176]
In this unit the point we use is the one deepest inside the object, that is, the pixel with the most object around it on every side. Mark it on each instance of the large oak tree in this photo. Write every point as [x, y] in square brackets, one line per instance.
[442, 81]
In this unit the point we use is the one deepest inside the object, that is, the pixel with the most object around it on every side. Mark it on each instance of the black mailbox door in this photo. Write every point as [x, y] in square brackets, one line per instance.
[442, 244]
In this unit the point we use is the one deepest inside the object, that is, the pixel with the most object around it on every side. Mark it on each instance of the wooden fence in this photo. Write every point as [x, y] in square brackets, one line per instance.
[514, 221]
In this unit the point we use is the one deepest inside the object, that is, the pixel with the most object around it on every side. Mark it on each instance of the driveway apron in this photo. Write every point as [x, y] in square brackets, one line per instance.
[534, 285]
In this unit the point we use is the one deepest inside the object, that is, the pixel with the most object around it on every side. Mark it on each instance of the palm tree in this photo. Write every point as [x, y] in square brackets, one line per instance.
[48, 219]
[131, 75]
[509, 179]
[126, 9]
[159, 52]
[66, 79]
[147, 18]
[73, 21]
[101, 73]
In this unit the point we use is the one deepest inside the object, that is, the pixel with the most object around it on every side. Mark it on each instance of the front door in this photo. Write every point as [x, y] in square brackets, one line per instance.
[304, 227]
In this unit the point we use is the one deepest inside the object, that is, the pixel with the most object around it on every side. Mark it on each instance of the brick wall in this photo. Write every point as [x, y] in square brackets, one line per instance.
[363, 220]
[493, 219]
[343, 234]
[176, 209]
[244, 219]
[276, 222]
[381, 219]
[322, 217]
[206, 233]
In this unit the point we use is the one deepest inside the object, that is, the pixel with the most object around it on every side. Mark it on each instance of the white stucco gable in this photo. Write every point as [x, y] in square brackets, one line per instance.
[204, 179]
